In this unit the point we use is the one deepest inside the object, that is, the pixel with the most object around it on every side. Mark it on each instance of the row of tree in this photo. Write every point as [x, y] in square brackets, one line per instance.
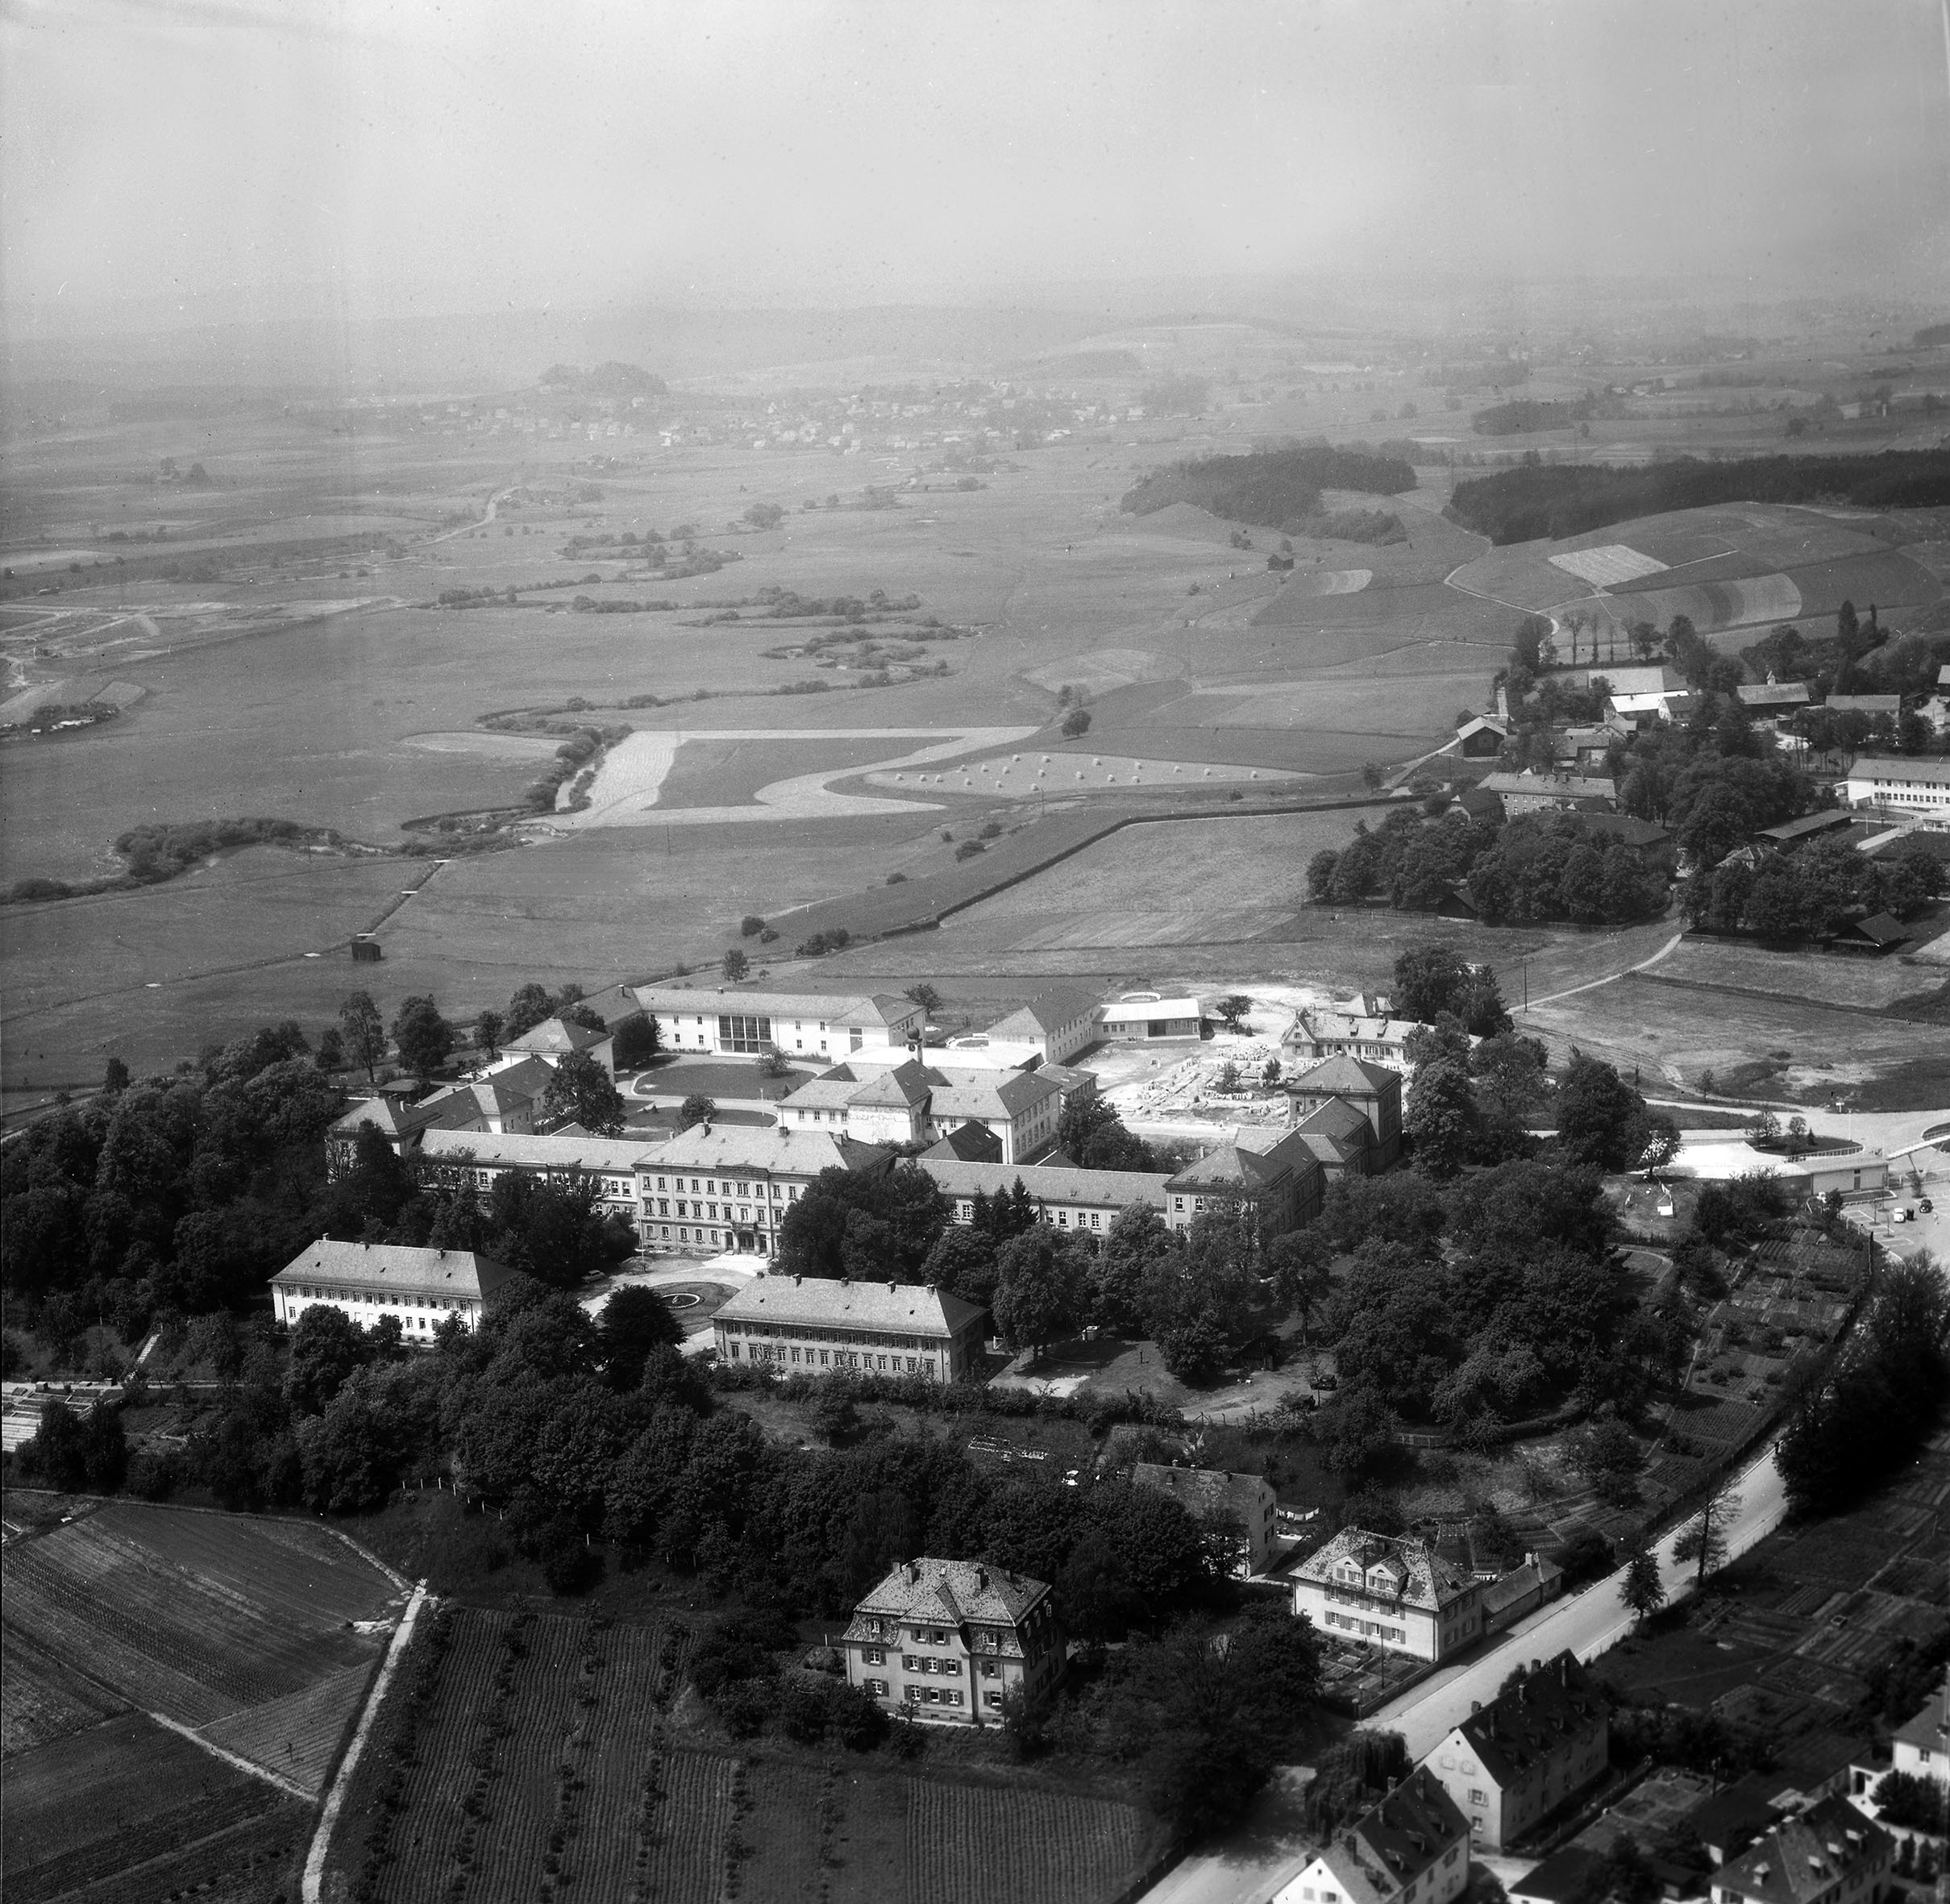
[1812, 893]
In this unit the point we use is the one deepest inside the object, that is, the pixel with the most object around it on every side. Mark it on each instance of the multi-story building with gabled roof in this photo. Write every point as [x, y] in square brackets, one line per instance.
[951, 1639]
[731, 1021]
[1349, 1111]
[820, 1325]
[1513, 1762]
[1267, 1177]
[916, 1102]
[728, 1186]
[554, 1038]
[1829, 1854]
[1390, 1591]
[1068, 1198]
[1053, 1026]
[1412, 1848]
[422, 1288]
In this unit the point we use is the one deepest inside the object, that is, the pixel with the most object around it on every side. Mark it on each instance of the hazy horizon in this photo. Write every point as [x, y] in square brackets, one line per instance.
[211, 164]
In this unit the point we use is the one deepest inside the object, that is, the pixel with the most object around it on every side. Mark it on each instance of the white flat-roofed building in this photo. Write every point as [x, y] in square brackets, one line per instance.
[1070, 1199]
[1917, 788]
[1144, 1018]
[733, 1022]
[818, 1325]
[368, 1281]
[728, 1186]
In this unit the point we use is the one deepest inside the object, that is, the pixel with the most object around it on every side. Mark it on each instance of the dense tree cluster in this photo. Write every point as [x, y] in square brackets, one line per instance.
[1532, 869]
[1537, 499]
[1277, 488]
[1879, 1398]
[1813, 892]
[1489, 1300]
[178, 1194]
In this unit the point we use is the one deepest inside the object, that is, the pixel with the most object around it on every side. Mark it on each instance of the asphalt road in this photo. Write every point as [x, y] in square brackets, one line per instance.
[1271, 1846]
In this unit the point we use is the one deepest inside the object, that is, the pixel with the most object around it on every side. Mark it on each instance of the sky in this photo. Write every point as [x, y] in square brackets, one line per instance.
[216, 159]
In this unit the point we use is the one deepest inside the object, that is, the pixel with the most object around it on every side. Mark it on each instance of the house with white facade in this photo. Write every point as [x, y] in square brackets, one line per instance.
[1053, 1026]
[1390, 1591]
[1084, 1202]
[1145, 1018]
[1268, 1178]
[1829, 1854]
[422, 1288]
[731, 1021]
[1920, 1746]
[554, 1038]
[822, 1325]
[475, 1160]
[1412, 1848]
[916, 1103]
[727, 1187]
[1913, 788]
[1513, 1762]
[1238, 1509]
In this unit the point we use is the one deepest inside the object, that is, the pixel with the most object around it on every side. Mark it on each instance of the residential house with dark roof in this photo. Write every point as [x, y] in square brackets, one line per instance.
[1413, 1847]
[1269, 1177]
[1389, 1591]
[1920, 1746]
[1517, 1594]
[1513, 1762]
[1349, 1112]
[1238, 1509]
[949, 1640]
[1377, 1037]
[1829, 1854]
[1531, 792]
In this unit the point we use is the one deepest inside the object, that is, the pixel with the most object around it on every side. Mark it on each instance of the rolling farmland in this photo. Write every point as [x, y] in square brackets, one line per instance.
[526, 1756]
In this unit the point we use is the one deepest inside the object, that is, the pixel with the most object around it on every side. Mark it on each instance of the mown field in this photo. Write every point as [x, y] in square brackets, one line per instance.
[547, 1755]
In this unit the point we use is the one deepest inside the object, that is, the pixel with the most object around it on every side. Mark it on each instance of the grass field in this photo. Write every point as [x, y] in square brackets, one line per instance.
[552, 1755]
[240, 1629]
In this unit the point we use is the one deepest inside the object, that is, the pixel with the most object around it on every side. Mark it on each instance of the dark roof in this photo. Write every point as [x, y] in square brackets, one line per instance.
[1342, 1074]
[953, 1592]
[1206, 1493]
[1628, 830]
[1532, 1719]
[1406, 1832]
[1730, 1820]
[1808, 823]
[1878, 928]
[972, 1143]
[1801, 1857]
[1563, 1876]
[1048, 1011]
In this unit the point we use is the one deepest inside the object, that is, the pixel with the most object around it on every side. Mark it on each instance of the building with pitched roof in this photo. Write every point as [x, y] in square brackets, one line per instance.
[1530, 792]
[1375, 1038]
[554, 1038]
[1413, 1847]
[1920, 1746]
[1390, 1591]
[1086, 1201]
[1771, 696]
[727, 1187]
[399, 1123]
[475, 1160]
[1349, 1110]
[1829, 1854]
[1269, 1177]
[916, 1102]
[1482, 738]
[949, 1640]
[1915, 788]
[819, 1325]
[972, 1143]
[1237, 1508]
[422, 1288]
[1516, 1760]
[732, 1022]
[1054, 1025]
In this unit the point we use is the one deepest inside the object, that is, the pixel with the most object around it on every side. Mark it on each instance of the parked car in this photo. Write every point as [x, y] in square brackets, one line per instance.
[1926, 1204]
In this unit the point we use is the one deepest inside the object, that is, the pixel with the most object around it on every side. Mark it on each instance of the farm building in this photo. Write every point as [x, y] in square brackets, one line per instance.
[731, 1022]
[951, 1639]
[1393, 1593]
[1272, 1176]
[422, 1288]
[1321, 1098]
[1871, 705]
[1482, 738]
[1914, 789]
[913, 1102]
[815, 1325]
[1053, 1026]
[1773, 697]
[1068, 1198]
[1238, 1507]
[1142, 1017]
[1519, 1758]
[1413, 1845]
[1828, 1853]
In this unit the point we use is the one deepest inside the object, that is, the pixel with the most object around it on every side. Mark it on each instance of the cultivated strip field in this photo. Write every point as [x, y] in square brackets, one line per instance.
[239, 1630]
[536, 1756]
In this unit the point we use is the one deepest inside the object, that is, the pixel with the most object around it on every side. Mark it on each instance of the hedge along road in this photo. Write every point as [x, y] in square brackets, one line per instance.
[1261, 1856]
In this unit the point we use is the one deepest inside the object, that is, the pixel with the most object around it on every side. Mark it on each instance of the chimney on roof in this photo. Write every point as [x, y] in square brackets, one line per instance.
[913, 1572]
[982, 1577]
[891, 1285]
[797, 1280]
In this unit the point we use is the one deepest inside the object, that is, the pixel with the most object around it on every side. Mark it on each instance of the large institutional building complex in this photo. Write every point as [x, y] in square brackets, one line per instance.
[815, 1325]
[422, 1288]
[736, 1023]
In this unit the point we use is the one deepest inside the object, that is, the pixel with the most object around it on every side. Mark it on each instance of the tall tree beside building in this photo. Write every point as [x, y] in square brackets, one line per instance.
[582, 1092]
[364, 1032]
[424, 1037]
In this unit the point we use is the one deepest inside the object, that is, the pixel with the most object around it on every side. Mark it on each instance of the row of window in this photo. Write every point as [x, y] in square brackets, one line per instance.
[1368, 1629]
[839, 1359]
[385, 1302]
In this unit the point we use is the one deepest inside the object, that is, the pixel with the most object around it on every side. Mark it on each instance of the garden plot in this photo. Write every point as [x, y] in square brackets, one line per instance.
[1021, 776]
[1607, 565]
